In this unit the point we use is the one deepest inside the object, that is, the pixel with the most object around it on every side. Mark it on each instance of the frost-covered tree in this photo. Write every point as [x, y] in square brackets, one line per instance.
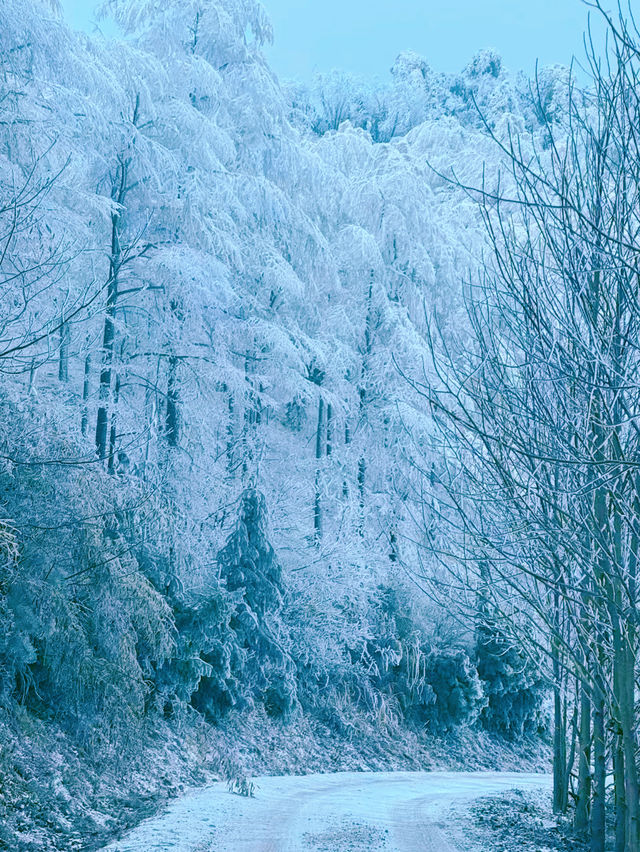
[217, 287]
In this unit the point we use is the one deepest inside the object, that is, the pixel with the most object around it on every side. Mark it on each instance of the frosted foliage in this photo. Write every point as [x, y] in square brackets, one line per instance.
[212, 291]
[214, 29]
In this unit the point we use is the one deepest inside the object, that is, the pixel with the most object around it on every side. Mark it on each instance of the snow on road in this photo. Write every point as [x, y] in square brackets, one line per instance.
[342, 812]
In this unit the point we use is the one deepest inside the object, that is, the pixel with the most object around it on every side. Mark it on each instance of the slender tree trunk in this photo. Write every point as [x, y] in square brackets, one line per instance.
[172, 422]
[559, 747]
[599, 768]
[32, 376]
[366, 356]
[119, 195]
[250, 414]
[623, 839]
[362, 479]
[113, 435]
[559, 718]
[329, 447]
[362, 464]
[317, 505]
[105, 377]
[630, 750]
[86, 389]
[393, 545]
[628, 687]
[259, 408]
[63, 356]
[150, 412]
[347, 441]
[108, 337]
[572, 750]
[602, 577]
[620, 803]
[231, 417]
[602, 584]
[583, 796]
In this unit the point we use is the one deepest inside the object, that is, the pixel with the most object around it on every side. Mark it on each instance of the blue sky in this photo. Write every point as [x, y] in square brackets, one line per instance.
[364, 36]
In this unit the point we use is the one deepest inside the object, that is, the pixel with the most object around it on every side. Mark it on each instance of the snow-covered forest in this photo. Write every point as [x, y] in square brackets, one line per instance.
[319, 412]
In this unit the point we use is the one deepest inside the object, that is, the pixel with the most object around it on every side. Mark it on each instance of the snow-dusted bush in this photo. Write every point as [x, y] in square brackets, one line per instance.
[232, 646]
[17, 653]
[430, 684]
[514, 688]
[252, 574]
[203, 670]
[456, 686]
[83, 629]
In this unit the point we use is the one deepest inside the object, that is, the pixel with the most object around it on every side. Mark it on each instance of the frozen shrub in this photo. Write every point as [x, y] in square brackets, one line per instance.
[231, 642]
[98, 643]
[513, 686]
[438, 687]
[82, 629]
[248, 561]
[234, 648]
[207, 655]
[456, 686]
[17, 653]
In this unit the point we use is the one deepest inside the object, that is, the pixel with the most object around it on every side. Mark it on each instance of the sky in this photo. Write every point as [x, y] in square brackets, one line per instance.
[365, 36]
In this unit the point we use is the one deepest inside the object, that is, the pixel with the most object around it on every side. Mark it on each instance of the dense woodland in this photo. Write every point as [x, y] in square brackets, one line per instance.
[319, 399]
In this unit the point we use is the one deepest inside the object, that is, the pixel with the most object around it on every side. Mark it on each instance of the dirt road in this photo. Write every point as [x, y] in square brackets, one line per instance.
[343, 812]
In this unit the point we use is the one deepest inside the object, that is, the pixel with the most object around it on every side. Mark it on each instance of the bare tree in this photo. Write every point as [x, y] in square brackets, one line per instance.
[537, 491]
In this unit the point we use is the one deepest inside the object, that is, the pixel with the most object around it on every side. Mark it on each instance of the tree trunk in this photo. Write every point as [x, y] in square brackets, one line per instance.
[108, 337]
[63, 357]
[113, 435]
[150, 414]
[620, 804]
[32, 376]
[627, 688]
[559, 747]
[317, 506]
[602, 575]
[560, 779]
[366, 356]
[347, 441]
[86, 388]
[624, 840]
[362, 478]
[572, 750]
[599, 769]
[603, 579]
[250, 416]
[630, 749]
[119, 193]
[393, 545]
[583, 798]
[172, 422]
[230, 433]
